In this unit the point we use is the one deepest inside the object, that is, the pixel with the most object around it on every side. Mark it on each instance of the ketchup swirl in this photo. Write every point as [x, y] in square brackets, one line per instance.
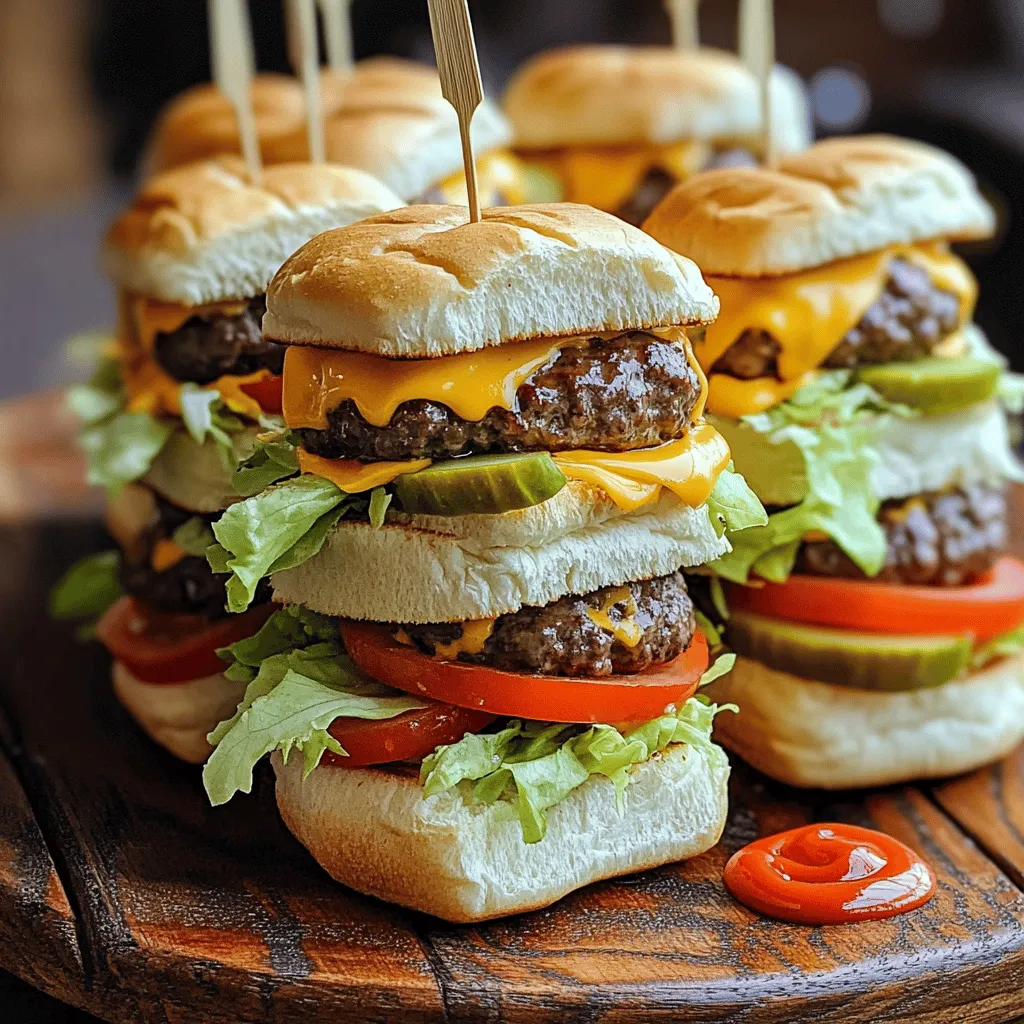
[829, 874]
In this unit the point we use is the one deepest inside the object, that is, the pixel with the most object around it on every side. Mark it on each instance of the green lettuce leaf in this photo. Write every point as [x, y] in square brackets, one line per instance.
[88, 588]
[721, 666]
[194, 536]
[733, 506]
[205, 415]
[535, 765]
[121, 447]
[290, 629]
[268, 532]
[379, 501]
[1004, 646]
[834, 425]
[273, 459]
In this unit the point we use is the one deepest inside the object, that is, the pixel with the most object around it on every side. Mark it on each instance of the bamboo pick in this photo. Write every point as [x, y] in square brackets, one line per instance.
[231, 58]
[757, 51]
[461, 86]
[683, 16]
[304, 56]
[337, 19]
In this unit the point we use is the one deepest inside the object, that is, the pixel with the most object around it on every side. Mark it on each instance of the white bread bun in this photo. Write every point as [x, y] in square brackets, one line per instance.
[479, 567]
[809, 733]
[179, 716]
[373, 831]
[203, 233]
[201, 122]
[423, 281]
[840, 198]
[619, 95]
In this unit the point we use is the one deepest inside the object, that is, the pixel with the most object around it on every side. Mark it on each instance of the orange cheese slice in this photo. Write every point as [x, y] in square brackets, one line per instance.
[689, 467]
[353, 476]
[165, 555]
[732, 397]
[151, 317]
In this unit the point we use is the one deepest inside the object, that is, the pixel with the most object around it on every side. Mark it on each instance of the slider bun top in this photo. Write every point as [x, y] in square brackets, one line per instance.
[620, 95]
[422, 281]
[842, 197]
[393, 123]
[202, 233]
[201, 122]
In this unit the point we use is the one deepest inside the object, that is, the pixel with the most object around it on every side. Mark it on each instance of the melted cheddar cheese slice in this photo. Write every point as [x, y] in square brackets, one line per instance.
[150, 317]
[499, 176]
[353, 476]
[807, 314]
[606, 177]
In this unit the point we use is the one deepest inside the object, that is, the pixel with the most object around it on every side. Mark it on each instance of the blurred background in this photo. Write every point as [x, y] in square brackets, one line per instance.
[82, 80]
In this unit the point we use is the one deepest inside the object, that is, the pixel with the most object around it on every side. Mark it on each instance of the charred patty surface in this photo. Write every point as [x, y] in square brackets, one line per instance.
[940, 538]
[207, 347]
[627, 392]
[189, 586]
[562, 639]
[909, 318]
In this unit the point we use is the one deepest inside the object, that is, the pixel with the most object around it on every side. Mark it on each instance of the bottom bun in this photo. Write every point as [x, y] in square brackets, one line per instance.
[179, 715]
[373, 830]
[809, 733]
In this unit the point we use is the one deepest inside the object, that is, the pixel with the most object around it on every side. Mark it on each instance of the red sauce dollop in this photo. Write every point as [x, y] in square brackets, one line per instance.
[829, 874]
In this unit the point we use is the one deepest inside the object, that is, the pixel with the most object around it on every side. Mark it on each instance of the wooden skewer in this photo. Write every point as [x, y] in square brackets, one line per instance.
[303, 53]
[233, 65]
[683, 16]
[461, 86]
[337, 19]
[757, 51]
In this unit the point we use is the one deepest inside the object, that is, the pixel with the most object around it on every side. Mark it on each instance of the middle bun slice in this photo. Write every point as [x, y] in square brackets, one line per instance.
[493, 486]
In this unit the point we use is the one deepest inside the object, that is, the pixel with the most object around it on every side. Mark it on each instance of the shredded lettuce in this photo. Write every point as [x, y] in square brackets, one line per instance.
[205, 415]
[733, 506]
[535, 765]
[87, 589]
[274, 458]
[833, 424]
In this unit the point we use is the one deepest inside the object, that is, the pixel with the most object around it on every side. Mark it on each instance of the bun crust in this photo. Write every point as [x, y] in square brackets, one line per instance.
[178, 716]
[808, 733]
[203, 233]
[487, 566]
[422, 281]
[619, 95]
[373, 831]
[840, 198]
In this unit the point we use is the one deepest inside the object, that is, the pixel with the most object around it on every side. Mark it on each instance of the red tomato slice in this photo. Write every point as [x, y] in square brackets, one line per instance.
[405, 737]
[160, 648]
[988, 608]
[267, 392]
[545, 698]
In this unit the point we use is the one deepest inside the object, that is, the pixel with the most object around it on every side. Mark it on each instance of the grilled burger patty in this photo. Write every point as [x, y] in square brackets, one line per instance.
[940, 538]
[189, 586]
[907, 321]
[207, 347]
[628, 392]
[561, 639]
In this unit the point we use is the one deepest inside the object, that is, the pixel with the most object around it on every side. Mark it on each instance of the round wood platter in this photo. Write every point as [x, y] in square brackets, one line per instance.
[124, 893]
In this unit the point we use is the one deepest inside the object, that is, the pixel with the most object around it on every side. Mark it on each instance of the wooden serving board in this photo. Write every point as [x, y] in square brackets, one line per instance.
[123, 892]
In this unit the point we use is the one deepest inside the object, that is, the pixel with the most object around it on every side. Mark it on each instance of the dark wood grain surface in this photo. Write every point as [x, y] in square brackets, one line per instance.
[183, 912]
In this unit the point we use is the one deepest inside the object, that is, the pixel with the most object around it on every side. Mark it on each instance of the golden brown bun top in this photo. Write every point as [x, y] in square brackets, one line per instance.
[201, 122]
[840, 198]
[620, 95]
[422, 282]
[205, 233]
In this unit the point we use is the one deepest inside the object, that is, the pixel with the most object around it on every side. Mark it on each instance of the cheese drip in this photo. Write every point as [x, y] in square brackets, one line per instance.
[607, 176]
[689, 467]
[353, 476]
[808, 313]
[318, 380]
[626, 629]
[151, 317]
[499, 175]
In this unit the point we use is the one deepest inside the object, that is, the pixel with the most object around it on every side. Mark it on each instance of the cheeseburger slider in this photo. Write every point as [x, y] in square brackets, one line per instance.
[177, 406]
[864, 408]
[617, 127]
[482, 691]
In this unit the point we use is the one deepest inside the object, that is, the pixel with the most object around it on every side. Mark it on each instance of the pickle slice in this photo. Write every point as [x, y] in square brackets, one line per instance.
[935, 385]
[484, 484]
[864, 661]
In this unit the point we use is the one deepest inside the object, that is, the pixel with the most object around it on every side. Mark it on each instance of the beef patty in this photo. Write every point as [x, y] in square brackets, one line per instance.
[940, 538]
[189, 586]
[906, 322]
[561, 639]
[628, 392]
[207, 347]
